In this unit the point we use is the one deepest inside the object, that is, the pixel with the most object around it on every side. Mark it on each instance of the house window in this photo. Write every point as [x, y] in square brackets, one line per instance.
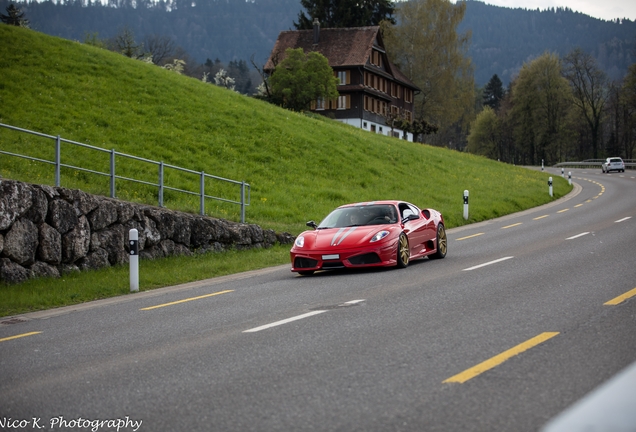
[408, 95]
[320, 103]
[343, 76]
[344, 102]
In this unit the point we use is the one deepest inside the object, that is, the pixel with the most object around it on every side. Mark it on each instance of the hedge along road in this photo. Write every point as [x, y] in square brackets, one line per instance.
[517, 309]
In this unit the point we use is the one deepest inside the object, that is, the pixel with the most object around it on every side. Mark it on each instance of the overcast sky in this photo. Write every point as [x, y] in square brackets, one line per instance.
[603, 9]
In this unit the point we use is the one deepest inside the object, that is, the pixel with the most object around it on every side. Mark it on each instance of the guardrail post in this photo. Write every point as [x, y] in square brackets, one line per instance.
[243, 201]
[202, 199]
[133, 242]
[112, 173]
[58, 161]
[570, 178]
[465, 205]
[550, 185]
[161, 184]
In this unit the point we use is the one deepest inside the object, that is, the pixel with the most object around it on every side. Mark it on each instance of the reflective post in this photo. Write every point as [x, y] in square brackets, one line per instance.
[133, 242]
[570, 178]
[465, 205]
[550, 185]
[562, 173]
[541, 164]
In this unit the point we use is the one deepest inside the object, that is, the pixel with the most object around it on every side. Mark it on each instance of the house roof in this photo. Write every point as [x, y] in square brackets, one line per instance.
[343, 47]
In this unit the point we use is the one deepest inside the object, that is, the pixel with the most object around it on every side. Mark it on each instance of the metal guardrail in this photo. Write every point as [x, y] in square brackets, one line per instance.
[202, 176]
[594, 163]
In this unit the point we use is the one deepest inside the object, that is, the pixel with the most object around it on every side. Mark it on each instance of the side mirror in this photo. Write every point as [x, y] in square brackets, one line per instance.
[312, 224]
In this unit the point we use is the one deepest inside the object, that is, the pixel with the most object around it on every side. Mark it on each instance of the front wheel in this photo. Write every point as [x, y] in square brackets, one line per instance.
[442, 243]
[403, 254]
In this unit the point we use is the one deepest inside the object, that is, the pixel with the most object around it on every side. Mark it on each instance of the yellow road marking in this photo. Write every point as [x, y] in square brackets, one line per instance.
[541, 217]
[621, 298]
[19, 336]
[563, 211]
[471, 236]
[499, 359]
[513, 225]
[186, 300]
[578, 205]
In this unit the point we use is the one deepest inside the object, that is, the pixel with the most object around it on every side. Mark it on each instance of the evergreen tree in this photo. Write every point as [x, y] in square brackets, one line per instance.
[493, 93]
[344, 13]
[14, 17]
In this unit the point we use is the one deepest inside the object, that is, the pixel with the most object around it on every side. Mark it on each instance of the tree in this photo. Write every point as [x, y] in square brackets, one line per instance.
[589, 87]
[484, 135]
[161, 48]
[493, 93]
[302, 78]
[14, 17]
[426, 47]
[629, 96]
[344, 13]
[541, 98]
[222, 79]
[124, 43]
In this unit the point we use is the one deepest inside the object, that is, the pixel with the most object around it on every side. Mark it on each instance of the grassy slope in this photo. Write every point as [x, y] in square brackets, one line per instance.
[299, 166]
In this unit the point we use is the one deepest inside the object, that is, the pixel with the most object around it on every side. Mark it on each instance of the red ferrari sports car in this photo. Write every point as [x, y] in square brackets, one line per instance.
[370, 234]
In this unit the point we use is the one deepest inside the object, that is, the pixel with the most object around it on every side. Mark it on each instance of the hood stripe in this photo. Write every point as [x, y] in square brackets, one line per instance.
[352, 229]
[335, 237]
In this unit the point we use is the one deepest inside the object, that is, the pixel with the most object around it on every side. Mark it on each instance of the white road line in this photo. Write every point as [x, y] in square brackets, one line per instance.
[577, 236]
[285, 321]
[623, 220]
[487, 264]
[297, 317]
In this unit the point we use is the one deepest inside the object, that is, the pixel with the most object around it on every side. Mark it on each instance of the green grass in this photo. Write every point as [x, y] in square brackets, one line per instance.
[299, 166]
[73, 288]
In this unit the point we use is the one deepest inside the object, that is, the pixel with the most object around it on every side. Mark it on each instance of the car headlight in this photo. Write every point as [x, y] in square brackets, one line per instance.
[379, 236]
[300, 241]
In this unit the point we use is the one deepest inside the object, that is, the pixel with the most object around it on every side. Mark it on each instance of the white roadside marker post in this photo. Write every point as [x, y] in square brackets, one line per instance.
[133, 242]
[550, 185]
[465, 205]
[563, 172]
[570, 178]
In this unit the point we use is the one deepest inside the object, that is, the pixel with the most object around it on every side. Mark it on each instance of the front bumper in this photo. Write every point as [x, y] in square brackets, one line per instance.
[383, 255]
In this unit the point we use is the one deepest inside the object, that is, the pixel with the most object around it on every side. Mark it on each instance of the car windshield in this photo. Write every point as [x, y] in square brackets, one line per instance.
[375, 214]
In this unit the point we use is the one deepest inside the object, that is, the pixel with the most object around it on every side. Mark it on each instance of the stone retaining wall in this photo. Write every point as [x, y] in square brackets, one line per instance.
[46, 231]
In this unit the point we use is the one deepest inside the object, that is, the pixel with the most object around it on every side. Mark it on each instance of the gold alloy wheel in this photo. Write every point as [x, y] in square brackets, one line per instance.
[403, 251]
[441, 240]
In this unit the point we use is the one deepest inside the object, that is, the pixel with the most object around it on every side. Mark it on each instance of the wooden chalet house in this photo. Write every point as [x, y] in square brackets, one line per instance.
[370, 85]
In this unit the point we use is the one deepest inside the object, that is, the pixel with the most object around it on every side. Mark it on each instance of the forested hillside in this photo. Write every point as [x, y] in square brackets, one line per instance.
[504, 38]
[232, 30]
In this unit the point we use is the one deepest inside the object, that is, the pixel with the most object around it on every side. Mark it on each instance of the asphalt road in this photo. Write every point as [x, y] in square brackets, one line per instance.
[506, 332]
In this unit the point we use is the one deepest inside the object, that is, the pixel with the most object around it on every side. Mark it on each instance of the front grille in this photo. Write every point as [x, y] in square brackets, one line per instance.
[370, 258]
[305, 263]
[332, 265]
